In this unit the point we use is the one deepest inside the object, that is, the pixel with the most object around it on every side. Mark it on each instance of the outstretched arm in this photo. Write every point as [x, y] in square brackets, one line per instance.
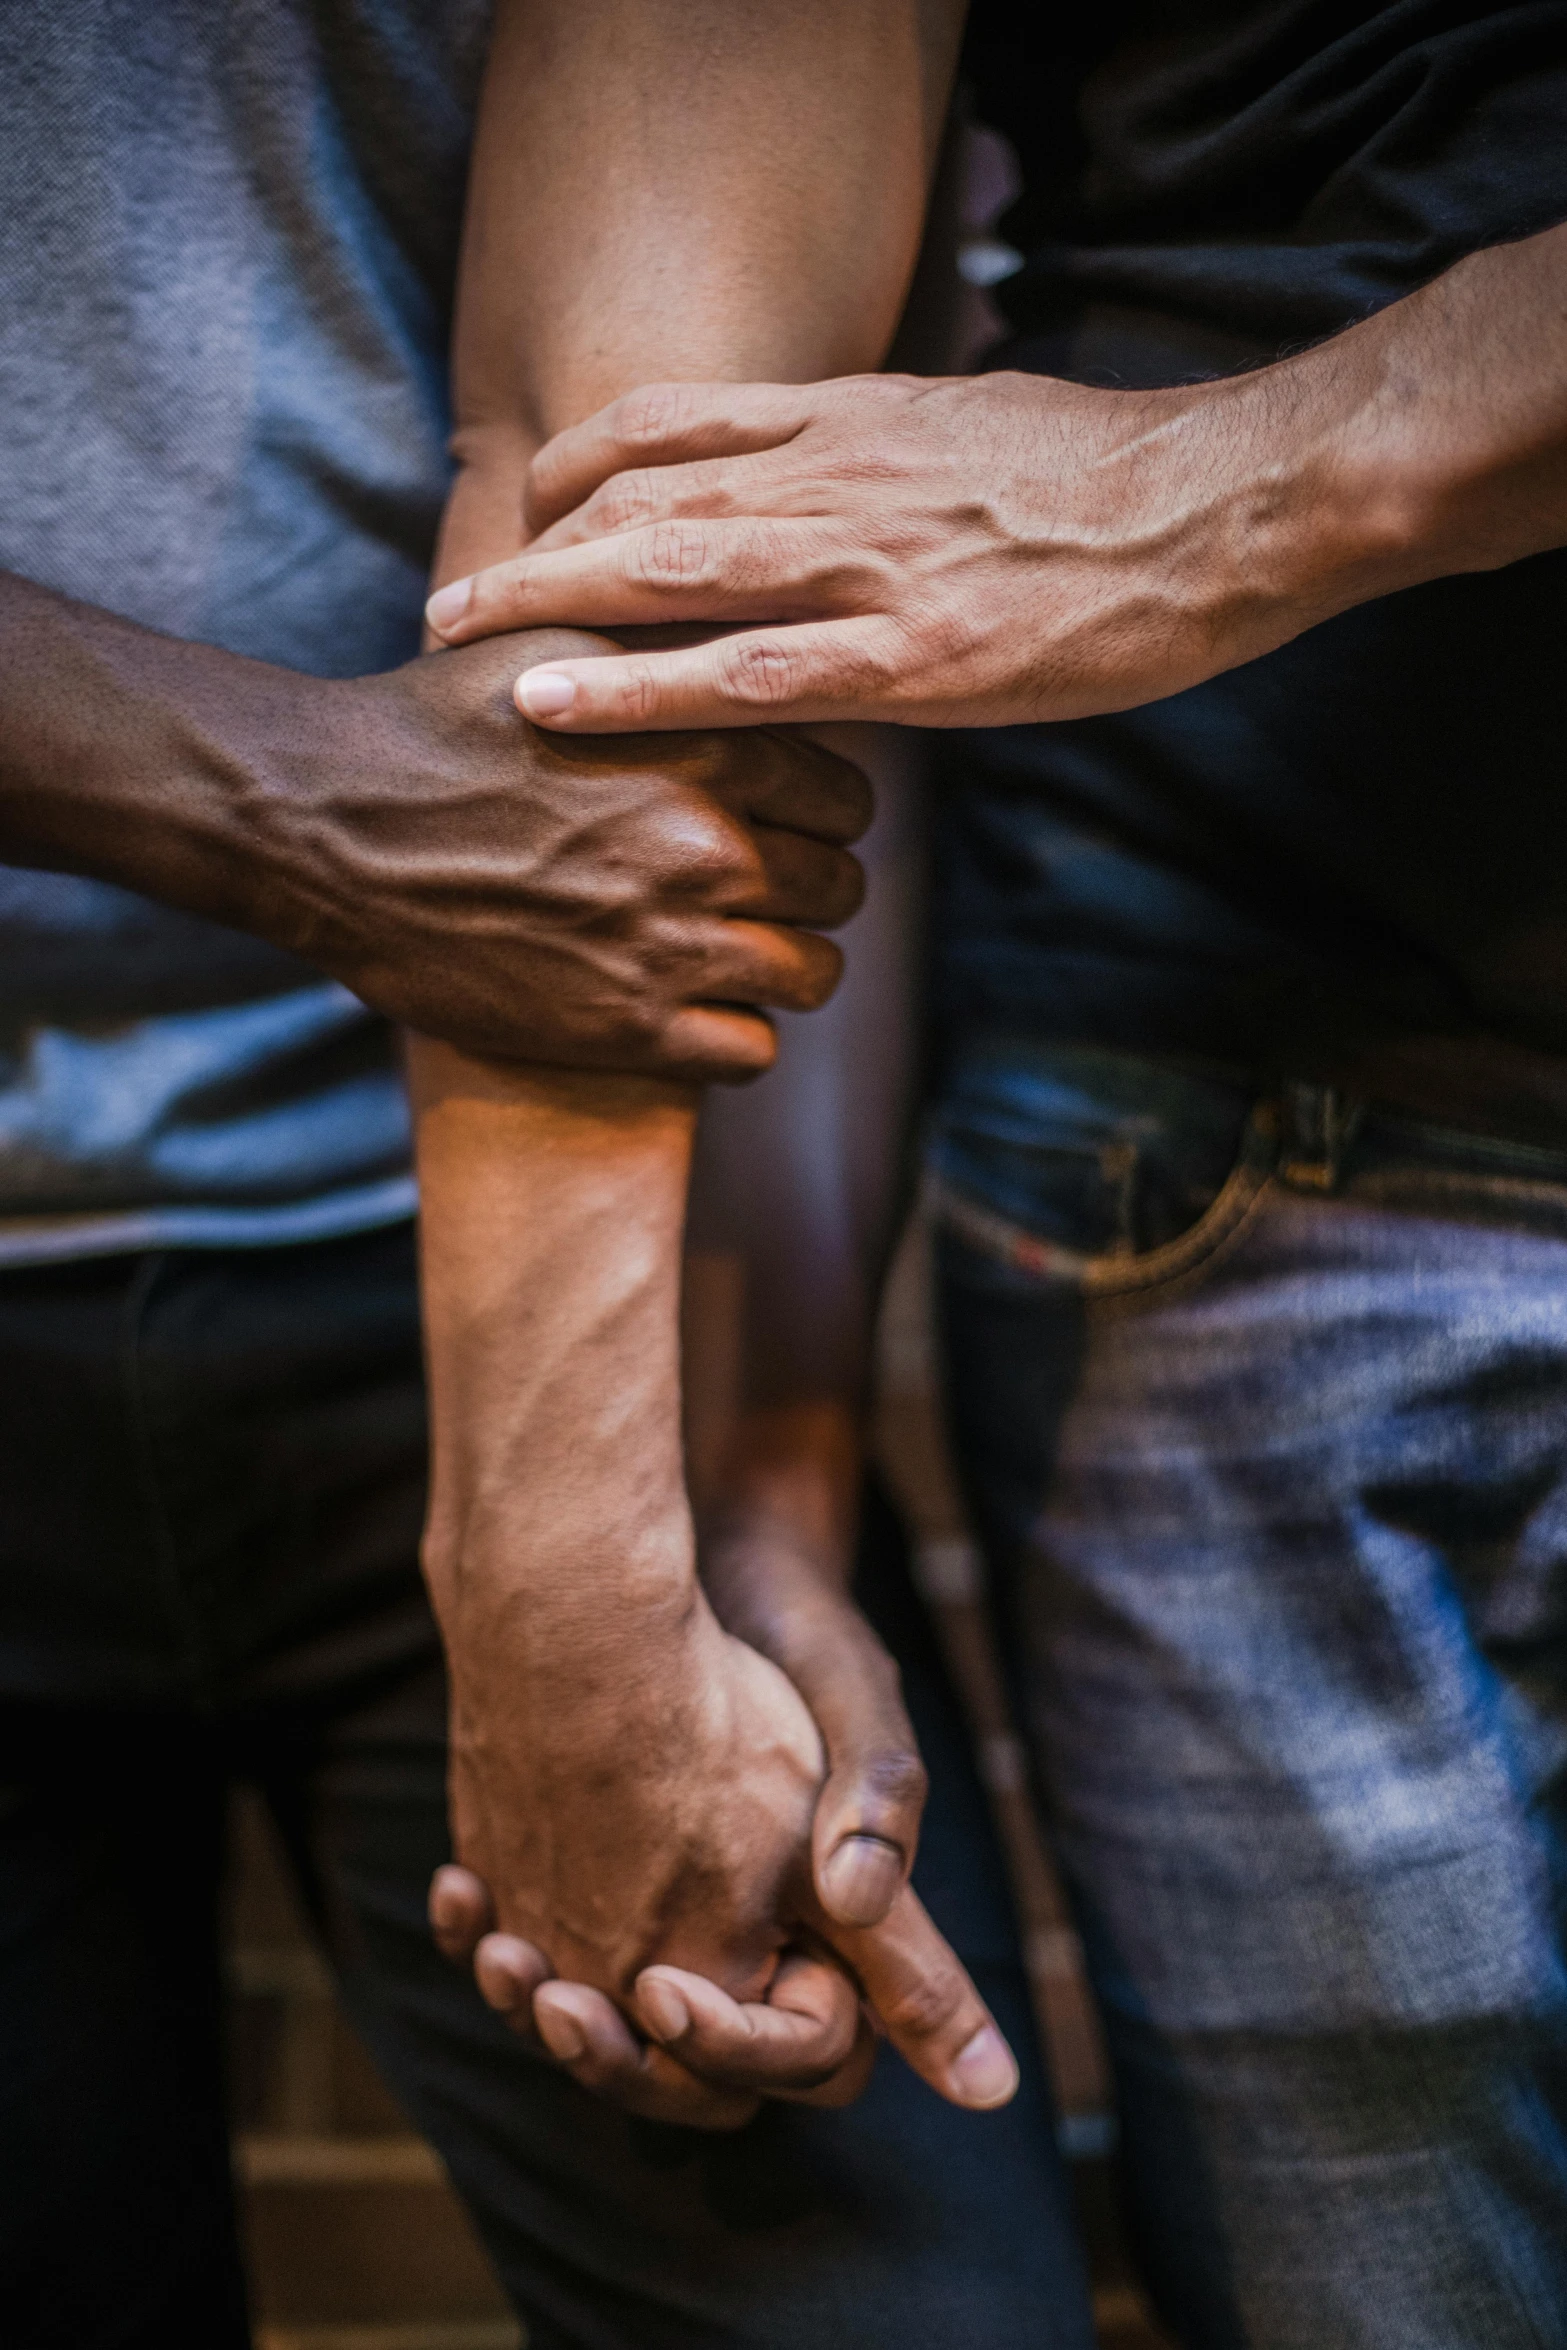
[675, 189]
[1027, 549]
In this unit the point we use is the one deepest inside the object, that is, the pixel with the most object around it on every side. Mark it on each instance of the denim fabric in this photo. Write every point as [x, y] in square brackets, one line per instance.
[1276, 1506]
[211, 1485]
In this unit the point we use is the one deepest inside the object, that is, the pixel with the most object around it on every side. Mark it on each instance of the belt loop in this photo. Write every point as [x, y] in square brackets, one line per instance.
[1319, 1124]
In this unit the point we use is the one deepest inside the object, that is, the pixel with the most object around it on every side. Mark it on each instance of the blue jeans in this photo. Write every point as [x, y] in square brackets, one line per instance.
[1262, 1410]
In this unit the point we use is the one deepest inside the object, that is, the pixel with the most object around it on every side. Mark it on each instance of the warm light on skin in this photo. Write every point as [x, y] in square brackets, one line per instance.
[1026, 549]
[561, 1548]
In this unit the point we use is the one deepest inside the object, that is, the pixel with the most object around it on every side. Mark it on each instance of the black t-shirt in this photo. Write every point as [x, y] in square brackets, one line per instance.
[1347, 859]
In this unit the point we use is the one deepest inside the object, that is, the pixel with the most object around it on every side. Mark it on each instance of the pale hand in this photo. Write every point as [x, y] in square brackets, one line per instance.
[972, 551]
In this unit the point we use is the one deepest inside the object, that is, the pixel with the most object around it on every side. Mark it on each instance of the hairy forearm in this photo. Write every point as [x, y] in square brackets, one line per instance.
[1459, 397]
[1428, 440]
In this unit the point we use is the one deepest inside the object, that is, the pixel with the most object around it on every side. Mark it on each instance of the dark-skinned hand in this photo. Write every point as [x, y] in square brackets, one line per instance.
[630, 906]
[875, 1965]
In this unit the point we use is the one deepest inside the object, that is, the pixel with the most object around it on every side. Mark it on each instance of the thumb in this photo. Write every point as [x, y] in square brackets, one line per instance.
[867, 1823]
[922, 1993]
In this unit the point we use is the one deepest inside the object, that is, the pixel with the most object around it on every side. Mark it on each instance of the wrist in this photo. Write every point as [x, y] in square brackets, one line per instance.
[1398, 474]
[1311, 519]
[128, 754]
[581, 1680]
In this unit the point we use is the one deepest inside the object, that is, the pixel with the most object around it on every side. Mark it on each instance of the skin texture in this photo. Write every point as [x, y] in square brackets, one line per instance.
[1004, 548]
[795, 1199]
[635, 1786]
[411, 835]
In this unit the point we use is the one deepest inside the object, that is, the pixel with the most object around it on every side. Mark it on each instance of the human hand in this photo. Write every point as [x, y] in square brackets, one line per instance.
[702, 2052]
[970, 551]
[606, 906]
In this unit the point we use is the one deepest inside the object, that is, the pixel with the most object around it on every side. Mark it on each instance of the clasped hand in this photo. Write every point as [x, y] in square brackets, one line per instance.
[695, 1904]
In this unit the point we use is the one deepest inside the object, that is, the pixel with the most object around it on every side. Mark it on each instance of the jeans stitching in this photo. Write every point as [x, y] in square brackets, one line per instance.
[1111, 1277]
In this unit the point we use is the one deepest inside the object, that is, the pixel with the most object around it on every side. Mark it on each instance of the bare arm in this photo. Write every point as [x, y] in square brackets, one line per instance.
[1027, 549]
[684, 190]
[799, 1184]
[406, 834]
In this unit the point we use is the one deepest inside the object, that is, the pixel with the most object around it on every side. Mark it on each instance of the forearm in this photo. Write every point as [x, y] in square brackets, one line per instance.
[142, 760]
[799, 1188]
[763, 217]
[551, 1234]
[1456, 430]
[1428, 440]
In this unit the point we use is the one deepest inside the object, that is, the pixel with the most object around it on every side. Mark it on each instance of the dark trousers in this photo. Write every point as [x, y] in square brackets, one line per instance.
[211, 1482]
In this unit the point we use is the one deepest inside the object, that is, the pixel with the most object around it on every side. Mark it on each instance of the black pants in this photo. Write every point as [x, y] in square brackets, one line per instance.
[211, 1480]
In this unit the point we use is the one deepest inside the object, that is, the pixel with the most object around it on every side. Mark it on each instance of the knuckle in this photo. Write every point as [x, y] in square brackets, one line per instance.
[927, 2007]
[716, 856]
[501, 589]
[639, 691]
[895, 1779]
[672, 555]
[624, 503]
[761, 674]
[651, 414]
[871, 670]
[946, 630]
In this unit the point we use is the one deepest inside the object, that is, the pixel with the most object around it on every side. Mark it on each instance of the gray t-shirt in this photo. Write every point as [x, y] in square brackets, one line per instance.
[228, 235]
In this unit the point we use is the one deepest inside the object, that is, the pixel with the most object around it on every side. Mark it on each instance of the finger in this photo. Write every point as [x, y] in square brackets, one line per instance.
[803, 881]
[928, 2007]
[798, 2038]
[661, 424]
[844, 669]
[714, 1044]
[460, 1911]
[786, 780]
[657, 493]
[866, 1830]
[630, 501]
[760, 964]
[867, 1824]
[752, 568]
[508, 1972]
[590, 2039]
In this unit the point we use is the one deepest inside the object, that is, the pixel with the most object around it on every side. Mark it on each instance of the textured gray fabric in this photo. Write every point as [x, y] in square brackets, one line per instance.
[227, 246]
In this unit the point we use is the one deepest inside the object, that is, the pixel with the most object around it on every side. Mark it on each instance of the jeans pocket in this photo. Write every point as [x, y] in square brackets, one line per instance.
[1115, 1177]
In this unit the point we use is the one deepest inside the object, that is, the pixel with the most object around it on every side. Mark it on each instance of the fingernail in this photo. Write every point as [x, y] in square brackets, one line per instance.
[861, 1878]
[561, 2034]
[448, 604]
[663, 2010]
[498, 1986]
[545, 693]
[985, 2072]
